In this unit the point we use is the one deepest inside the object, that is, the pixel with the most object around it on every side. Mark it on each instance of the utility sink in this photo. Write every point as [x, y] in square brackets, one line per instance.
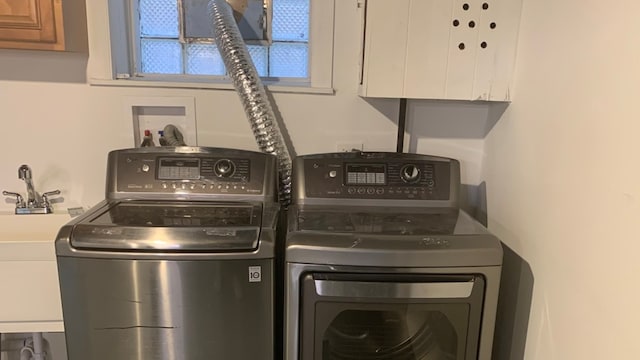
[39, 227]
[31, 294]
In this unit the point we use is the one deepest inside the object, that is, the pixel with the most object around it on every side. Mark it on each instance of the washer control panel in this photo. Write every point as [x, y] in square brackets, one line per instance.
[190, 170]
[377, 176]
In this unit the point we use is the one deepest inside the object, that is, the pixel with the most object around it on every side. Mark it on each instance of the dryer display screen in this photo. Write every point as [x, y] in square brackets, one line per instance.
[366, 174]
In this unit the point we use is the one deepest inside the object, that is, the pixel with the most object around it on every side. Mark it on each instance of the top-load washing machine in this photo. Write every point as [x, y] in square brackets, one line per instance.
[382, 264]
[177, 263]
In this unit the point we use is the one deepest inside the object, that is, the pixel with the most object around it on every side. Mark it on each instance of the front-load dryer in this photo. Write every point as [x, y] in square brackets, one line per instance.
[382, 264]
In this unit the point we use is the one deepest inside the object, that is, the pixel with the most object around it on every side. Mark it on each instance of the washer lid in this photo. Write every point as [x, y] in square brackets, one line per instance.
[171, 226]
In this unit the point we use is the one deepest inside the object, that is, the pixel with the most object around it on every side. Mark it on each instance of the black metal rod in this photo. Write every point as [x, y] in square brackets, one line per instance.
[402, 121]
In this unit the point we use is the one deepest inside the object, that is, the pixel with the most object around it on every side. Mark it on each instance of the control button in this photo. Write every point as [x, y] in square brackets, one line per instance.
[145, 167]
[333, 173]
[164, 185]
[174, 186]
[192, 186]
[351, 190]
[379, 191]
[361, 190]
[224, 168]
[371, 191]
[410, 173]
[183, 186]
[203, 186]
[430, 182]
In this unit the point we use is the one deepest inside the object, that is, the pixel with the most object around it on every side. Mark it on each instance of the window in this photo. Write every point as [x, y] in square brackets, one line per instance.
[140, 45]
[166, 47]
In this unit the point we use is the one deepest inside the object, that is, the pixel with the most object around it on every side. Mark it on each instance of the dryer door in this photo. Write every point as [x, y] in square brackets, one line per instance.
[390, 317]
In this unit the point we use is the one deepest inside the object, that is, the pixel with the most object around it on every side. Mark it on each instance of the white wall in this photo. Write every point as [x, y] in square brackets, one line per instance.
[560, 166]
[63, 128]
[563, 177]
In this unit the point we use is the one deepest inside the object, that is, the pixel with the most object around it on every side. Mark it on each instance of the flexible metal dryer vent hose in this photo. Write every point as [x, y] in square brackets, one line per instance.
[252, 94]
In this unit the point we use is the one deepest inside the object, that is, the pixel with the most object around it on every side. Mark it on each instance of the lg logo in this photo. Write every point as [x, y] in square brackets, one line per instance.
[255, 273]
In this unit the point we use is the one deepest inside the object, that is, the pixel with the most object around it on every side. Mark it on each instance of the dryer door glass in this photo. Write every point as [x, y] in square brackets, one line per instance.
[390, 316]
[396, 332]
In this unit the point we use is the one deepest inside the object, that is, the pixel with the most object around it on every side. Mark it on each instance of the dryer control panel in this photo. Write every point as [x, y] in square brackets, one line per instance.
[189, 172]
[377, 176]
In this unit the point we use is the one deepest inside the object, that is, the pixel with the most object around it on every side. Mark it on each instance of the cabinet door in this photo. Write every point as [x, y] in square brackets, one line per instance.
[439, 49]
[31, 24]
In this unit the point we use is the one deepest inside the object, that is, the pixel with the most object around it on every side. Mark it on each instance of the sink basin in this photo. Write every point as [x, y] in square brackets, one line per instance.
[29, 237]
[28, 261]
[30, 227]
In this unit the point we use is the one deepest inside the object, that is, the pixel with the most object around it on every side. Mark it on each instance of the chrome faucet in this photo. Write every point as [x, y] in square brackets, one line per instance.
[36, 203]
[24, 173]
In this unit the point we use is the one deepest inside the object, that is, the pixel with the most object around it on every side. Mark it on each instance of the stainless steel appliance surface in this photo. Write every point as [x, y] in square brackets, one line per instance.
[382, 264]
[177, 262]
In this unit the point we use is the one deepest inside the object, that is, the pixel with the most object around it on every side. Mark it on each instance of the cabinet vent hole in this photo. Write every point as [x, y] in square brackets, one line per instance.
[483, 45]
[492, 25]
[485, 6]
[472, 24]
[456, 22]
[465, 7]
[461, 46]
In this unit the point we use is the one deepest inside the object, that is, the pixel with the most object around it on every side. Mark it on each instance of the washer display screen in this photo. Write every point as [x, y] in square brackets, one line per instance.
[366, 174]
[178, 169]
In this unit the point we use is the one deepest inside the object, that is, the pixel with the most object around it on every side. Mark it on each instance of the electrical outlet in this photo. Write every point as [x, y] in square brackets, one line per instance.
[346, 147]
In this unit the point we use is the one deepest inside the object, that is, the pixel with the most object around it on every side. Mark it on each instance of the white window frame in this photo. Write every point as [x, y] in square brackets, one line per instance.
[111, 61]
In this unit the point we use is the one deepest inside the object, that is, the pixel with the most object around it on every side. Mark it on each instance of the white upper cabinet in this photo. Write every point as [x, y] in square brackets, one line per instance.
[439, 49]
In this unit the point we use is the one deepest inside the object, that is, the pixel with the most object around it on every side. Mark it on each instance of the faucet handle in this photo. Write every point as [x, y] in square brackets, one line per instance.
[49, 193]
[19, 199]
[45, 196]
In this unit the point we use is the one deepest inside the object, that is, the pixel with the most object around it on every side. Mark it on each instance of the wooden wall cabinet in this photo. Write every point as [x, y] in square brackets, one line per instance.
[31, 24]
[439, 49]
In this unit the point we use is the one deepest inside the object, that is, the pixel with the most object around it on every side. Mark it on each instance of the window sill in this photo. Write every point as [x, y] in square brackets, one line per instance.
[297, 88]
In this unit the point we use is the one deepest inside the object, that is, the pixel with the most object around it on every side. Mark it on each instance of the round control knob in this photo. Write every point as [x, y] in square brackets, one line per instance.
[224, 168]
[410, 173]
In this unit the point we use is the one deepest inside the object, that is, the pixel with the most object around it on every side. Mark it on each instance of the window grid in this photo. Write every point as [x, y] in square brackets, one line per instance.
[291, 27]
